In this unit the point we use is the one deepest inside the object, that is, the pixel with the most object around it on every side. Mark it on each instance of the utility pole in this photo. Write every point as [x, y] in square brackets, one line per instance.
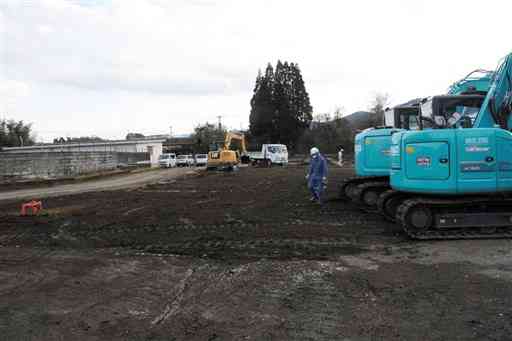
[220, 122]
[170, 131]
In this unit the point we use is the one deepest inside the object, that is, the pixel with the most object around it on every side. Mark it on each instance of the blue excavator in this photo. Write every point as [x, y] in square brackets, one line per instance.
[452, 178]
[372, 155]
[373, 145]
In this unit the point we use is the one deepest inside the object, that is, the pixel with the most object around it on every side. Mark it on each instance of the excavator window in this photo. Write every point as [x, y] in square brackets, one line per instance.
[389, 118]
[407, 117]
[236, 145]
[214, 146]
[460, 111]
[451, 111]
[273, 149]
[411, 122]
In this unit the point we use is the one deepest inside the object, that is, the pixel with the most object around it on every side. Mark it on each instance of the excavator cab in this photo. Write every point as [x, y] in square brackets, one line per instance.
[401, 117]
[407, 116]
[221, 157]
[450, 111]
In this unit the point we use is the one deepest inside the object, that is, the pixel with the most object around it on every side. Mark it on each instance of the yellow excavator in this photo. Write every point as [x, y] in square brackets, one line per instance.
[222, 157]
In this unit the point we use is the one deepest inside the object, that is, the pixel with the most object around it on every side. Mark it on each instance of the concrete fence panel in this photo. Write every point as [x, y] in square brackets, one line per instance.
[63, 164]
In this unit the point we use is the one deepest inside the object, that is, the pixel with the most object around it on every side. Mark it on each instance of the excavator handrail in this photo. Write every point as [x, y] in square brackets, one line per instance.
[455, 88]
[487, 72]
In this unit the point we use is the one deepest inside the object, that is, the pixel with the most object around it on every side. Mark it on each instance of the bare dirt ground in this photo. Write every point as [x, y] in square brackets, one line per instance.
[114, 182]
[241, 256]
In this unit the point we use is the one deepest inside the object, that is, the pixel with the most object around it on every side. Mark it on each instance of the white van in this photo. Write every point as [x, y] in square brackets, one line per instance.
[184, 160]
[201, 159]
[167, 160]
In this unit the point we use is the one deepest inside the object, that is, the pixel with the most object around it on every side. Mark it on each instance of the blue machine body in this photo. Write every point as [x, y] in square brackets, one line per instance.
[372, 147]
[458, 160]
[372, 152]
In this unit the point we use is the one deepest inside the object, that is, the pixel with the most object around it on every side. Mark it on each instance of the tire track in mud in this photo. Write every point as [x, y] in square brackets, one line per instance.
[312, 300]
[302, 300]
[296, 300]
[288, 239]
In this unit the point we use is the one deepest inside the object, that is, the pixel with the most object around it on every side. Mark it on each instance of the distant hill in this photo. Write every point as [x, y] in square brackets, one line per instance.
[358, 119]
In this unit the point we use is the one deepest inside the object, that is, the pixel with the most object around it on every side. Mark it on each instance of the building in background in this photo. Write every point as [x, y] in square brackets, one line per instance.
[151, 146]
[73, 159]
[184, 144]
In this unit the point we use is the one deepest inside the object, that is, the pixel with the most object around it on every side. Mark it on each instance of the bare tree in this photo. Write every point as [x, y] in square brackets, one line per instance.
[379, 103]
[15, 133]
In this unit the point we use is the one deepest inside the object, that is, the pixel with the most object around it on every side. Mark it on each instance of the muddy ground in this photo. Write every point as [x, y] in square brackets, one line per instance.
[241, 256]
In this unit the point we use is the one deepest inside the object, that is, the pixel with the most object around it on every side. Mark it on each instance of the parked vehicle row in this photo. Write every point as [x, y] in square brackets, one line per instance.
[170, 160]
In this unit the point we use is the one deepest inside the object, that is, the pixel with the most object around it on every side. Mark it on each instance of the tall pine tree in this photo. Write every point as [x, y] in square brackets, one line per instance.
[280, 106]
[282, 111]
[262, 108]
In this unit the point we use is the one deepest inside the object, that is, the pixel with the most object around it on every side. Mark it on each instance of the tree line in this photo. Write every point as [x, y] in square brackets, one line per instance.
[331, 131]
[327, 131]
[15, 133]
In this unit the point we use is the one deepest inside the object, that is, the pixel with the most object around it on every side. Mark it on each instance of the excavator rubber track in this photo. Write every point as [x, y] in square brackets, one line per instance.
[367, 194]
[388, 203]
[456, 218]
[358, 180]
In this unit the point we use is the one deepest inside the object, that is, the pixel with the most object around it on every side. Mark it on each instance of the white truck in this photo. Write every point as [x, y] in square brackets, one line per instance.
[167, 160]
[270, 154]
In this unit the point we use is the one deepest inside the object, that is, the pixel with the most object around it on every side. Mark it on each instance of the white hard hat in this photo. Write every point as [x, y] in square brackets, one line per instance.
[314, 151]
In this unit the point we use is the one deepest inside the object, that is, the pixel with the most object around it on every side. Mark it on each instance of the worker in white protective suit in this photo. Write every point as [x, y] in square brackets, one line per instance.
[340, 156]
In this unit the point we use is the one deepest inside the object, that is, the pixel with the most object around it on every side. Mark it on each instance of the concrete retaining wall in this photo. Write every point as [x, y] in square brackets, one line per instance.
[63, 164]
[123, 159]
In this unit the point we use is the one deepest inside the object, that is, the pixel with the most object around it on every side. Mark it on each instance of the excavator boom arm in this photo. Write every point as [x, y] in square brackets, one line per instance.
[238, 137]
[496, 108]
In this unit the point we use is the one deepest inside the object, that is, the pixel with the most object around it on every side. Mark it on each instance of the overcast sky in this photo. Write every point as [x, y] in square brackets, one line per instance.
[109, 67]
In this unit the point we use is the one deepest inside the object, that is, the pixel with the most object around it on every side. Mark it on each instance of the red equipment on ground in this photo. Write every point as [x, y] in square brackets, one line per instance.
[32, 206]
